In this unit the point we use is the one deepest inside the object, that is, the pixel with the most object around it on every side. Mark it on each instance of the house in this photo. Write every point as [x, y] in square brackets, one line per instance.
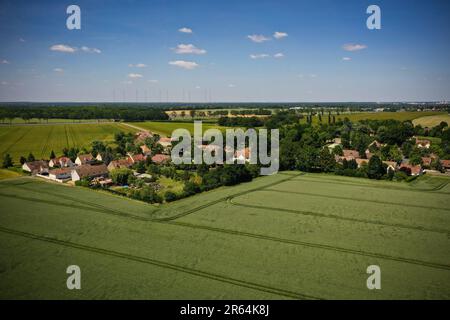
[423, 143]
[160, 158]
[413, 170]
[89, 171]
[165, 142]
[142, 135]
[368, 154]
[391, 165]
[36, 167]
[60, 174]
[119, 164]
[349, 155]
[242, 155]
[375, 143]
[145, 150]
[135, 158]
[446, 164]
[99, 157]
[426, 161]
[360, 162]
[83, 159]
[61, 162]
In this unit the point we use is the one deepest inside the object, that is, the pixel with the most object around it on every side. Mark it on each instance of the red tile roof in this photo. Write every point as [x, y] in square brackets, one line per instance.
[160, 158]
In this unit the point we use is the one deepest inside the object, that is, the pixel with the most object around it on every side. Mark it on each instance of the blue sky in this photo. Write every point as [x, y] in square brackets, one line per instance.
[135, 51]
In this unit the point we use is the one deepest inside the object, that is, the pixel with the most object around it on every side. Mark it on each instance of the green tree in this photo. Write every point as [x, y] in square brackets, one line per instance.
[52, 155]
[22, 160]
[7, 161]
[31, 157]
[375, 169]
[120, 176]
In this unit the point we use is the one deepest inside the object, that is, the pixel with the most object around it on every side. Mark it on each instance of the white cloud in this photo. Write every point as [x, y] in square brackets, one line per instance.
[346, 59]
[21, 39]
[189, 65]
[138, 65]
[63, 48]
[259, 56]
[188, 49]
[58, 70]
[258, 38]
[185, 30]
[90, 50]
[197, 87]
[231, 85]
[153, 81]
[4, 61]
[353, 47]
[278, 55]
[134, 75]
[280, 35]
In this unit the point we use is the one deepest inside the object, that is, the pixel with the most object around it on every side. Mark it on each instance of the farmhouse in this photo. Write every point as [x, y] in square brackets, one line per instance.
[60, 174]
[426, 161]
[142, 135]
[36, 167]
[160, 158]
[360, 162]
[119, 164]
[392, 165]
[89, 171]
[84, 159]
[61, 162]
[99, 157]
[350, 154]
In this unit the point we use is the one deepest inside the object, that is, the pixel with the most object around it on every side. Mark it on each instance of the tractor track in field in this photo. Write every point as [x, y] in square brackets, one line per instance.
[353, 199]
[16, 141]
[315, 245]
[337, 217]
[100, 209]
[226, 198]
[46, 144]
[165, 265]
[436, 189]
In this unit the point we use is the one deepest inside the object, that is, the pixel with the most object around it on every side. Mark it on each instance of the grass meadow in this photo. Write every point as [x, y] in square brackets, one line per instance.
[165, 128]
[20, 140]
[287, 236]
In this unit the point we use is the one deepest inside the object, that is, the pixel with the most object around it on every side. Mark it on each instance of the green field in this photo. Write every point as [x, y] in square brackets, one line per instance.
[432, 121]
[20, 140]
[166, 128]
[287, 236]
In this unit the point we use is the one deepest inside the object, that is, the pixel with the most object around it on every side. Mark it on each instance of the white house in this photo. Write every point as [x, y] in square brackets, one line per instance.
[61, 174]
[61, 162]
[84, 159]
[35, 167]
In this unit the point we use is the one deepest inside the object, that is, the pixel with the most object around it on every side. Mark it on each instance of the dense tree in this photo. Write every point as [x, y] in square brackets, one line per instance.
[376, 168]
[7, 161]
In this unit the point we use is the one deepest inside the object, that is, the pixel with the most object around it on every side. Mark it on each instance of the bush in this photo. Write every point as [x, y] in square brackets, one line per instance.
[170, 196]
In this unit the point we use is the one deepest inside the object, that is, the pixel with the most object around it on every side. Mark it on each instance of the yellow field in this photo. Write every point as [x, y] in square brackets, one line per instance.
[432, 121]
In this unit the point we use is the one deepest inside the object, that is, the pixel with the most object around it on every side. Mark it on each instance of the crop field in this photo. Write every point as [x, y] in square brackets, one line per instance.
[432, 121]
[287, 236]
[166, 128]
[20, 140]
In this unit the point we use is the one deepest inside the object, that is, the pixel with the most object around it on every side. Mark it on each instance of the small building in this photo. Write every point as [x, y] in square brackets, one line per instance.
[83, 159]
[145, 150]
[242, 155]
[99, 157]
[423, 143]
[350, 154]
[160, 158]
[413, 170]
[62, 162]
[445, 164]
[426, 161]
[135, 158]
[119, 164]
[36, 167]
[360, 162]
[60, 174]
[165, 142]
[89, 171]
[391, 165]
[142, 135]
